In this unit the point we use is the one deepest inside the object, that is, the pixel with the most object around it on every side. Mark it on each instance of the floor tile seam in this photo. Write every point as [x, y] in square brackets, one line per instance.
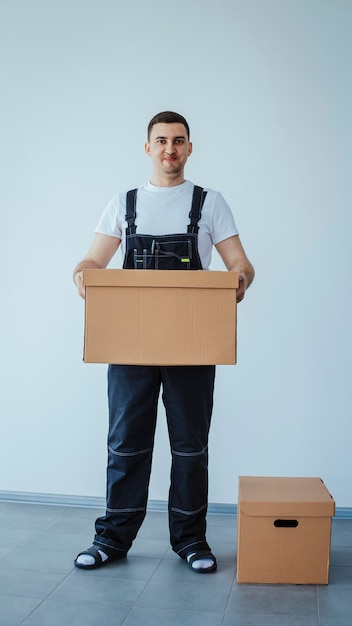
[338, 586]
[39, 520]
[276, 612]
[62, 534]
[318, 606]
[59, 579]
[229, 596]
[37, 549]
[216, 585]
[19, 545]
[36, 571]
[291, 586]
[101, 603]
[7, 555]
[317, 603]
[127, 616]
[141, 556]
[164, 611]
[119, 578]
[270, 615]
[178, 610]
[62, 580]
[174, 610]
[142, 590]
[66, 601]
[32, 612]
[189, 584]
[20, 597]
[32, 537]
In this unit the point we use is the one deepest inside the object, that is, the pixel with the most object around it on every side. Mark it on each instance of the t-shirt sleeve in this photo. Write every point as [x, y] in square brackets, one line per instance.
[223, 225]
[110, 221]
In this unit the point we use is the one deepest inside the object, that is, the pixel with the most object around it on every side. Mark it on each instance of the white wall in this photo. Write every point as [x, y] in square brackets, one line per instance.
[265, 85]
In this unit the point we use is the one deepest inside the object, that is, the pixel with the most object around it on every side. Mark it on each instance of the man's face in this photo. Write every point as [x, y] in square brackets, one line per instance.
[169, 149]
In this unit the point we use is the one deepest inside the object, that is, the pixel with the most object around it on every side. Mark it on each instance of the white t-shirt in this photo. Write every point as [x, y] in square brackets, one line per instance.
[165, 211]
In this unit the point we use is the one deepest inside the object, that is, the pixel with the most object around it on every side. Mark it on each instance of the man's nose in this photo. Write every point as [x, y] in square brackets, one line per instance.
[170, 147]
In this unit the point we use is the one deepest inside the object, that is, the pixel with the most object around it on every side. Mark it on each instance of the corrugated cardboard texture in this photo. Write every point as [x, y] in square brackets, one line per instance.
[284, 530]
[152, 317]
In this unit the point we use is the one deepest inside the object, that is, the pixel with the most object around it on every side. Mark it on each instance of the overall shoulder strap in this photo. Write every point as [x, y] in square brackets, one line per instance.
[198, 198]
[130, 216]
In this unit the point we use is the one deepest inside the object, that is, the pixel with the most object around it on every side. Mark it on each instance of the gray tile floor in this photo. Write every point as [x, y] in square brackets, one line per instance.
[39, 586]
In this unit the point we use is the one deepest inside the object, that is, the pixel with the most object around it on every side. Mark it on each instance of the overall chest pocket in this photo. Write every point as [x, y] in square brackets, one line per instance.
[177, 254]
[161, 253]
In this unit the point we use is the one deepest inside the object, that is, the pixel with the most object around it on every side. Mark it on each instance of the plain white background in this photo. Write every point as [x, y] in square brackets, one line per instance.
[266, 88]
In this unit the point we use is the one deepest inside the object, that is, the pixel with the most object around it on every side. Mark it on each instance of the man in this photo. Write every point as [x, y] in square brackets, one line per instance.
[168, 223]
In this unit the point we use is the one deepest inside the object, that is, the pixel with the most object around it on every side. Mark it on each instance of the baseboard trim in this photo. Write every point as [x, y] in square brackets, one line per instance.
[96, 502]
[52, 499]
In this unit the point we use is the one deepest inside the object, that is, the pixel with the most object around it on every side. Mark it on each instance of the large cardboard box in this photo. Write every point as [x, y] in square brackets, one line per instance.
[151, 317]
[284, 530]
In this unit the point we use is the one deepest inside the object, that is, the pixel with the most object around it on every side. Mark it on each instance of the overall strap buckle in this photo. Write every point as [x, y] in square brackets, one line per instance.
[195, 213]
[130, 216]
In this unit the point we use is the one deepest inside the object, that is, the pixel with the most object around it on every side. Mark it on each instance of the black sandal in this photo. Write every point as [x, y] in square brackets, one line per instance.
[197, 556]
[98, 561]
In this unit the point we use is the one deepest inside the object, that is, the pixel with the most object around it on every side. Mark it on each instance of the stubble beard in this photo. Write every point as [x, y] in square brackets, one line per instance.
[173, 170]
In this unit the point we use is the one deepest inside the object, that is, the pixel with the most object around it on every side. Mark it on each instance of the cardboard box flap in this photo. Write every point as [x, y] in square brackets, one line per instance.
[285, 497]
[160, 278]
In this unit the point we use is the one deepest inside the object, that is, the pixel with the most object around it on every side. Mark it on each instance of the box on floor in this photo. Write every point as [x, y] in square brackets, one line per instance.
[284, 530]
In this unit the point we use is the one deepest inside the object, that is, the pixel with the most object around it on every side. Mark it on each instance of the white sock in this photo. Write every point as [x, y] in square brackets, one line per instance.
[87, 559]
[200, 563]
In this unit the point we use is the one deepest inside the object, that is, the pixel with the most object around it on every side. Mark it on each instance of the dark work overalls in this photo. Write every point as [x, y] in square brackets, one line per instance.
[133, 393]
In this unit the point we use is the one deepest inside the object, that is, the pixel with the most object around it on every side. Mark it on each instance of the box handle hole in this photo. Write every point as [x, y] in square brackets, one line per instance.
[286, 523]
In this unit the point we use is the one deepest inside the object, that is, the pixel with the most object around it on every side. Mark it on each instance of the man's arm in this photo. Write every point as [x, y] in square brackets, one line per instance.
[98, 256]
[235, 259]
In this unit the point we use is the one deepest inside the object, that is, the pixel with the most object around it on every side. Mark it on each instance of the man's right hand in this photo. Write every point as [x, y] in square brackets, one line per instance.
[99, 254]
[78, 278]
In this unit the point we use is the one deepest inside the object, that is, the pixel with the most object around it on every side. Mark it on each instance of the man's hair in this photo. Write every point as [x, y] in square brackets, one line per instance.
[167, 117]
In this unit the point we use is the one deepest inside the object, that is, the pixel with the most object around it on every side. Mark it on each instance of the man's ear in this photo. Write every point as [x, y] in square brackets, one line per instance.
[190, 148]
[147, 148]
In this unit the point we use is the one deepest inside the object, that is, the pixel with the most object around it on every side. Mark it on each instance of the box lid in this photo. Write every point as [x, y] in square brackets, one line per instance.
[160, 278]
[285, 497]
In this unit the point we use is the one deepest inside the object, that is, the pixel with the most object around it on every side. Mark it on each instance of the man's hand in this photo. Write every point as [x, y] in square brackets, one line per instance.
[78, 278]
[241, 290]
[235, 259]
[99, 254]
